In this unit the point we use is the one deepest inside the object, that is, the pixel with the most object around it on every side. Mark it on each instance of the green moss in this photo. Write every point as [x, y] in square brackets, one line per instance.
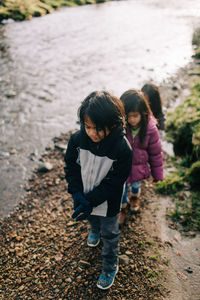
[101, 1]
[90, 2]
[193, 175]
[166, 261]
[52, 3]
[196, 71]
[183, 130]
[197, 52]
[80, 2]
[26, 9]
[187, 213]
[170, 184]
[182, 127]
[154, 274]
[4, 13]
[196, 37]
[154, 257]
[23, 9]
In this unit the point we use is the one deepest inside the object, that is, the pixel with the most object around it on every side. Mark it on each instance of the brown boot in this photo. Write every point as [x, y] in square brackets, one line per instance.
[134, 202]
[123, 214]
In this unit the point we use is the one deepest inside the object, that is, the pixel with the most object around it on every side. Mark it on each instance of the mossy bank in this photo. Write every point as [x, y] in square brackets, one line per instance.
[183, 131]
[20, 10]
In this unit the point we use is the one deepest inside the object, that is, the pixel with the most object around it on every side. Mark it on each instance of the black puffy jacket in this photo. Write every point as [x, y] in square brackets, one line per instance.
[99, 170]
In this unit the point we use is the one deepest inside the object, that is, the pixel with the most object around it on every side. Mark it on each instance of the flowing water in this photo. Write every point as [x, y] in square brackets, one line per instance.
[49, 64]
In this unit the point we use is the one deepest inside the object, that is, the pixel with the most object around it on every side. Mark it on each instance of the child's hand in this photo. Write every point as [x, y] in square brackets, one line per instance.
[78, 199]
[82, 212]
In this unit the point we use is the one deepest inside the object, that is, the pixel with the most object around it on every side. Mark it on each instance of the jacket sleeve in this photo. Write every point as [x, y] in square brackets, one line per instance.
[155, 155]
[113, 182]
[72, 167]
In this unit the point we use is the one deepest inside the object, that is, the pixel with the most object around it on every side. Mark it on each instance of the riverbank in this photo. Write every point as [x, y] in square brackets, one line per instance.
[44, 253]
[26, 10]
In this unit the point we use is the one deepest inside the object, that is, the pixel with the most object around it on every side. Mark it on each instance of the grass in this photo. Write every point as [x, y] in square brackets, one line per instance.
[186, 215]
[187, 212]
[183, 131]
[172, 183]
[154, 257]
[20, 10]
[167, 261]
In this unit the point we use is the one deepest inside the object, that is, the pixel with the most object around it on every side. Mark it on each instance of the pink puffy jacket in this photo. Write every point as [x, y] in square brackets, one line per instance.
[147, 157]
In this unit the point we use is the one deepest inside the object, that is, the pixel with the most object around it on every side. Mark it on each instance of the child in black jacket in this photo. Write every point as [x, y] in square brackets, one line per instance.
[98, 161]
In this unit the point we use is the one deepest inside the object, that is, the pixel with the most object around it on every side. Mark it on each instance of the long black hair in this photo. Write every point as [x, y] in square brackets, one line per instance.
[152, 93]
[135, 101]
[104, 110]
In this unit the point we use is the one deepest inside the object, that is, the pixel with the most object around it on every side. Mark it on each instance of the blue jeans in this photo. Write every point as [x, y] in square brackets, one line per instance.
[135, 187]
[109, 229]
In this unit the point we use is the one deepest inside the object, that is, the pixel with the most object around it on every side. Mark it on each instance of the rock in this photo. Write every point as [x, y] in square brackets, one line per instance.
[124, 259]
[32, 156]
[45, 167]
[174, 88]
[59, 281]
[20, 218]
[68, 280]
[85, 263]
[61, 147]
[59, 257]
[4, 155]
[128, 252]
[189, 270]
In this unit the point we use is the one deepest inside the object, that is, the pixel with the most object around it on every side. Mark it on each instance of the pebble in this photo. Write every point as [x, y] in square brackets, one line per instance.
[45, 167]
[124, 259]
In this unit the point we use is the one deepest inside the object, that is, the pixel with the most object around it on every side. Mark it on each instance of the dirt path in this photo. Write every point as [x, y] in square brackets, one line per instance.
[44, 253]
[181, 273]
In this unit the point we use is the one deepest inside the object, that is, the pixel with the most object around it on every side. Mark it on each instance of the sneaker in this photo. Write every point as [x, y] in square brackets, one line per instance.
[93, 239]
[106, 279]
[134, 202]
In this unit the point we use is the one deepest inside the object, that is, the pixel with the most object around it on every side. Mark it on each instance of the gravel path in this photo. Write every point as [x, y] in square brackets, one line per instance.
[44, 254]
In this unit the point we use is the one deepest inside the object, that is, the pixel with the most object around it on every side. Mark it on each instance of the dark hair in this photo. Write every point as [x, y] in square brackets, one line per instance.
[135, 101]
[104, 110]
[152, 93]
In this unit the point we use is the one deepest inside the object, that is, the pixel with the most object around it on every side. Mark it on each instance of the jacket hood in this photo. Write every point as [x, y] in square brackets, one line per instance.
[106, 145]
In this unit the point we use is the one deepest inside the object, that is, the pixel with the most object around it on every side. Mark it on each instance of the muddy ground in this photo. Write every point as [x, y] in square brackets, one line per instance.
[43, 251]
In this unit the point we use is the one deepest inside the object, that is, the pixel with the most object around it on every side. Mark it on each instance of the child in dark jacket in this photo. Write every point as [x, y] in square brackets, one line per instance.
[144, 139]
[151, 91]
[98, 162]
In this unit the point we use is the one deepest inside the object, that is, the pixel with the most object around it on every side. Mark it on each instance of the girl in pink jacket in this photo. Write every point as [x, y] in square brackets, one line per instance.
[144, 139]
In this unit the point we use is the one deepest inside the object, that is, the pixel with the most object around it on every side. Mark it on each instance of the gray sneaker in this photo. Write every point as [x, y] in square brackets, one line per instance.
[93, 239]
